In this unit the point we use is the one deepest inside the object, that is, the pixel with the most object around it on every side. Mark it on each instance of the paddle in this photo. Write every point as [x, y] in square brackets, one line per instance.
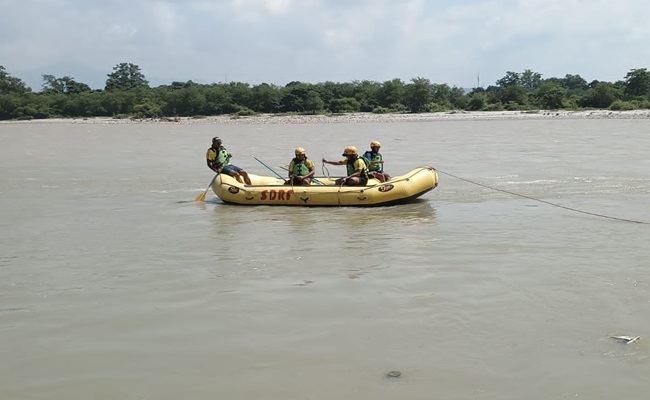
[201, 198]
[270, 169]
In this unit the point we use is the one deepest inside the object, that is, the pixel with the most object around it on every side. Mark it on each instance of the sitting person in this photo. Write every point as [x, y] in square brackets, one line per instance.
[356, 168]
[375, 162]
[218, 160]
[301, 169]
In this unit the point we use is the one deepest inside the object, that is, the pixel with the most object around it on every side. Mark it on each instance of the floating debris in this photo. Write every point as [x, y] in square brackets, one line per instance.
[626, 339]
[393, 374]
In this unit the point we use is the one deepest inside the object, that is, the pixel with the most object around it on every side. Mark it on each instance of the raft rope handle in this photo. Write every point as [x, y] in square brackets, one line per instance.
[542, 201]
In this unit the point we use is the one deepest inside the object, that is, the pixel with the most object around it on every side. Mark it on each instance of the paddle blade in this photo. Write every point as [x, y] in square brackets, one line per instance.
[201, 198]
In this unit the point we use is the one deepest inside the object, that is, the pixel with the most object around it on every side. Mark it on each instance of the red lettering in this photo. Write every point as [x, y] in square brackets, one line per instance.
[279, 195]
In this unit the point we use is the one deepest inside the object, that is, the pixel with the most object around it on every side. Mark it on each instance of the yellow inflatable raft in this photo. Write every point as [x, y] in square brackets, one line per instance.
[268, 190]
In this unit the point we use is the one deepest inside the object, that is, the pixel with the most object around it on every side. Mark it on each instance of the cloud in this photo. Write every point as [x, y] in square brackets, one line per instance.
[278, 41]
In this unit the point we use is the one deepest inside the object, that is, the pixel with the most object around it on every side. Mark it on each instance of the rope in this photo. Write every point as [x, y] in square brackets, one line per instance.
[325, 171]
[541, 201]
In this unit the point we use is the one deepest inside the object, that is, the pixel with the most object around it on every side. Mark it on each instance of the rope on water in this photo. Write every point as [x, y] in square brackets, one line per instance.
[540, 200]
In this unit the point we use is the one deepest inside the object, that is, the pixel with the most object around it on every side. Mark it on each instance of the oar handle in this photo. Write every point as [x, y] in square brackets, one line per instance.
[270, 169]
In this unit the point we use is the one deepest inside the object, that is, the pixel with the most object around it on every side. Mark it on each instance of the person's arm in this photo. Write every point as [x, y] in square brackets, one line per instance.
[334, 162]
[228, 154]
[213, 166]
[290, 170]
[212, 161]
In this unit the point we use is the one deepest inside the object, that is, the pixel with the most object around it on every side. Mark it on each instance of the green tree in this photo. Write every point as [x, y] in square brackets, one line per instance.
[529, 79]
[601, 96]
[126, 76]
[295, 95]
[313, 103]
[148, 109]
[10, 84]
[510, 79]
[441, 95]
[118, 102]
[513, 94]
[574, 82]
[265, 98]
[52, 84]
[391, 94]
[637, 82]
[346, 104]
[418, 94]
[9, 103]
[185, 102]
[218, 101]
[240, 94]
[550, 95]
[477, 102]
[459, 100]
[87, 104]
[366, 94]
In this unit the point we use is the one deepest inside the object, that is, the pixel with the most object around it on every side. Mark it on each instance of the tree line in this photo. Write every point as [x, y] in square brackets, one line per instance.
[127, 94]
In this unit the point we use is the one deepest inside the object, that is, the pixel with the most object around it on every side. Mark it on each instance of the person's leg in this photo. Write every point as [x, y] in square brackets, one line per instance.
[354, 181]
[236, 176]
[247, 179]
[238, 173]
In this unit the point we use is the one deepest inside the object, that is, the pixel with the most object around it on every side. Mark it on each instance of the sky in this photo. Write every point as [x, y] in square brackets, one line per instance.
[463, 43]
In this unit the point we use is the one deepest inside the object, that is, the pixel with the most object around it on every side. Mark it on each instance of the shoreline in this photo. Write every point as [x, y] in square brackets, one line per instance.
[355, 118]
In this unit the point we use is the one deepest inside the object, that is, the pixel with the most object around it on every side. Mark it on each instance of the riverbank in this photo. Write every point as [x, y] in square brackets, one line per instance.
[358, 117]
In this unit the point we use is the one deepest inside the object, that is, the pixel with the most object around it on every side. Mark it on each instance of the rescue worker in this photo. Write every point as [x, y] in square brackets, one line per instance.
[375, 162]
[218, 159]
[357, 169]
[301, 169]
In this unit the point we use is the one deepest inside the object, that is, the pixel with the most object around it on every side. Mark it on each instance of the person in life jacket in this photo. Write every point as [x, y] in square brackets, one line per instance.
[356, 168]
[375, 162]
[218, 160]
[301, 169]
